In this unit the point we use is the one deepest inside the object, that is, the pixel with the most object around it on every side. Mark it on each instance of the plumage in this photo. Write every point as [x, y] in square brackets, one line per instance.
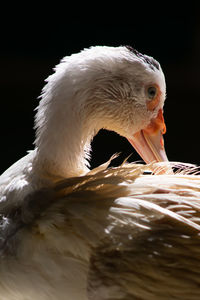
[109, 233]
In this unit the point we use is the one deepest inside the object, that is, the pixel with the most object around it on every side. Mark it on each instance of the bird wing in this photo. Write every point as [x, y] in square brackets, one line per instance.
[152, 247]
[133, 236]
[154, 259]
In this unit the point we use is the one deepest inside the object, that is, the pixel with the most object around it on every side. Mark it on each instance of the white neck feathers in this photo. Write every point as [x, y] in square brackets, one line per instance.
[62, 136]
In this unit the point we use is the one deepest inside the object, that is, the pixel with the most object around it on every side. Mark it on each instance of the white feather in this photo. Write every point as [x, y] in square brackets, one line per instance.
[72, 237]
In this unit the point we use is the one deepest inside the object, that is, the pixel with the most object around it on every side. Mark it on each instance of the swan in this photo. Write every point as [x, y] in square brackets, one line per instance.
[67, 232]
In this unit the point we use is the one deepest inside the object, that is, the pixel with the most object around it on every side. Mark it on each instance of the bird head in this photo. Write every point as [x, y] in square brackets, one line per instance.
[126, 94]
[116, 88]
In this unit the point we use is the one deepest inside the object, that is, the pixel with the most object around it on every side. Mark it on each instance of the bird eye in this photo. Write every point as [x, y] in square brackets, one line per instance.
[151, 92]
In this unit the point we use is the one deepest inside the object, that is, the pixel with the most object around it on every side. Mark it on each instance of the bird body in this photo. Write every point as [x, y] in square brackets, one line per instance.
[114, 234]
[109, 233]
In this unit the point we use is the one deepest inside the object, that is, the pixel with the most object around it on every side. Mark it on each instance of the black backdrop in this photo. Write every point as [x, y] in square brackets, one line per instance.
[31, 45]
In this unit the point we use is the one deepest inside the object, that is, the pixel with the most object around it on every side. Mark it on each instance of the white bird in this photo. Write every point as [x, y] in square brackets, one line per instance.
[74, 234]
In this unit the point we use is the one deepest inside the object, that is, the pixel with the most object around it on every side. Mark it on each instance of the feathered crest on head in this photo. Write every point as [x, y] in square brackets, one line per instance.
[147, 59]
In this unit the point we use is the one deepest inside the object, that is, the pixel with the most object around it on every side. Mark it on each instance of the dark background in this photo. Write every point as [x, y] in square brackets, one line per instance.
[32, 43]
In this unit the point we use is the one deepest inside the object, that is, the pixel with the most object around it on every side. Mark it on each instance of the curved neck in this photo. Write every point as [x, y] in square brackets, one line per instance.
[62, 138]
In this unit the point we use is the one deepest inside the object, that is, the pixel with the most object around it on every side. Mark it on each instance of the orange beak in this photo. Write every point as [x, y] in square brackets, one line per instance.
[149, 142]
